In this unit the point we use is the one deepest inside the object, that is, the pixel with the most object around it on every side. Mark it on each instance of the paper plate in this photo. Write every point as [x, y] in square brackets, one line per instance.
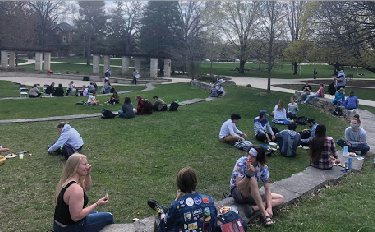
[272, 144]
[10, 156]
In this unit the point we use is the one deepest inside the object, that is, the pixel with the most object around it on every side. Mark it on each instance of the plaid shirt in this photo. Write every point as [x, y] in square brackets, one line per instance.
[324, 162]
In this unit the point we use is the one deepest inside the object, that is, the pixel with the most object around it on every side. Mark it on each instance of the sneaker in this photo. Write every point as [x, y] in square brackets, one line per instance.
[155, 206]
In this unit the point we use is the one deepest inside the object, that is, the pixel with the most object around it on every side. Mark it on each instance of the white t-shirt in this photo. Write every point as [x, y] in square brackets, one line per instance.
[91, 99]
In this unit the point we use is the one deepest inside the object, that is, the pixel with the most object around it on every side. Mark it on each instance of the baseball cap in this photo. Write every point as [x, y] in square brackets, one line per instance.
[263, 112]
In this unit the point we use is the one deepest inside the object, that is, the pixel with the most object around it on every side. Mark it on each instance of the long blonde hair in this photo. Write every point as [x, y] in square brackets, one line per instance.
[68, 172]
[280, 106]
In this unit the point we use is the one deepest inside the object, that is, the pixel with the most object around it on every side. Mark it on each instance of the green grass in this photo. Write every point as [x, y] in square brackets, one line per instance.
[361, 93]
[281, 70]
[369, 108]
[136, 159]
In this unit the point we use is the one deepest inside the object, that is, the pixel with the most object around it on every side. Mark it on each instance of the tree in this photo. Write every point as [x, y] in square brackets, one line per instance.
[124, 26]
[272, 30]
[238, 22]
[91, 26]
[161, 30]
[17, 24]
[47, 13]
[295, 14]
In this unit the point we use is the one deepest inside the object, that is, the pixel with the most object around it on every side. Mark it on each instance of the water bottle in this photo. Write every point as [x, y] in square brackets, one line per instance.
[346, 166]
[345, 152]
[350, 162]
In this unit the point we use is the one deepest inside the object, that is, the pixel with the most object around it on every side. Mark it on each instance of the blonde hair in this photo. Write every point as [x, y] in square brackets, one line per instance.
[280, 105]
[68, 172]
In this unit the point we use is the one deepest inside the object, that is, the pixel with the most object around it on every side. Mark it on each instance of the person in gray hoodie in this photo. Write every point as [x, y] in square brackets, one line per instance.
[69, 142]
[289, 140]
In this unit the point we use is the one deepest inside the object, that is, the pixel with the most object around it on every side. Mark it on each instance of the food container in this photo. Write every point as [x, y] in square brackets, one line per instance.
[2, 160]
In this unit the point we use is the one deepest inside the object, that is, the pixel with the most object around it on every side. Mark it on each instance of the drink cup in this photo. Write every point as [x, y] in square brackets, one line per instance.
[21, 156]
[345, 151]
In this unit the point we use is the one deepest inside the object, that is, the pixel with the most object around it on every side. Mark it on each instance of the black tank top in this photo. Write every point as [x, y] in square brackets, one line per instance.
[62, 213]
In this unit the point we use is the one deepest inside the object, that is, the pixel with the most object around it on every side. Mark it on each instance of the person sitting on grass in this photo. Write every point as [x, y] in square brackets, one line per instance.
[229, 132]
[339, 97]
[159, 105]
[59, 91]
[127, 109]
[261, 125]
[247, 172]
[292, 108]
[321, 148]
[289, 140]
[69, 88]
[3, 149]
[306, 87]
[114, 99]
[279, 113]
[351, 102]
[144, 106]
[91, 87]
[70, 141]
[355, 137]
[50, 89]
[319, 93]
[190, 210]
[72, 212]
[92, 100]
[311, 123]
[34, 91]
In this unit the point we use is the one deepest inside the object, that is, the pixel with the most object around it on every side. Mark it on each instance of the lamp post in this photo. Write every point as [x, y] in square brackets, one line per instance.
[212, 48]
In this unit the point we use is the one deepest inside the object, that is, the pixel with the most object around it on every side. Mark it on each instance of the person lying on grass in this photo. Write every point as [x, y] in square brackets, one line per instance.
[247, 173]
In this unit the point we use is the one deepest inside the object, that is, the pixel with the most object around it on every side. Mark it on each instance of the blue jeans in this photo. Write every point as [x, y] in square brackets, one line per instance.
[311, 96]
[362, 148]
[94, 222]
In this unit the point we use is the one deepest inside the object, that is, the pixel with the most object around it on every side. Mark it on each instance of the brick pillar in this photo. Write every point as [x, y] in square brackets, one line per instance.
[154, 67]
[12, 59]
[137, 64]
[107, 63]
[167, 67]
[38, 61]
[4, 59]
[47, 61]
[96, 61]
[125, 65]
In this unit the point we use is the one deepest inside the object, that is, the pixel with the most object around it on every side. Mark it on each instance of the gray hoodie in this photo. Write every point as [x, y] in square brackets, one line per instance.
[68, 136]
[288, 141]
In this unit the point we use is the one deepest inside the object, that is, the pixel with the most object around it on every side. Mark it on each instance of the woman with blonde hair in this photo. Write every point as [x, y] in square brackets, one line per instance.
[72, 212]
[279, 113]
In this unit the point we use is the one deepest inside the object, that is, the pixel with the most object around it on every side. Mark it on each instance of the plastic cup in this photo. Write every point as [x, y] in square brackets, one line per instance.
[345, 151]
[21, 156]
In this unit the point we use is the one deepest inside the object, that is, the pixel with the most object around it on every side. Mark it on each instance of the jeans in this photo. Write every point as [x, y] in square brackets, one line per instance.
[311, 96]
[94, 222]
[362, 148]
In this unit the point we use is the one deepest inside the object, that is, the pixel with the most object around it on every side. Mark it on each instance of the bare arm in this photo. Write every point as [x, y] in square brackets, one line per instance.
[88, 180]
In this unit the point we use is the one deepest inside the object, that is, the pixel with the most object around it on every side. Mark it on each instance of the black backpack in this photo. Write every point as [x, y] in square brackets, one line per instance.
[301, 120]
[338, 111]
[107, 114]
[331, 89]
[173, 107]
[148, 105]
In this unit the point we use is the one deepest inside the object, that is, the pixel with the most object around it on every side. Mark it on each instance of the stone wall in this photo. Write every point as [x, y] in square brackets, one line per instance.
[327, 105]
[202, 85]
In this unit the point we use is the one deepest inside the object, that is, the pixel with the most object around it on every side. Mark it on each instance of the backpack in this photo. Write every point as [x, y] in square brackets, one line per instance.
[148, 105]
[268, 150]
[305, 134]
[302, 120]
[214, 93]
[112, 90]
[174, 105]
[231, 221]
[331, 89]
[243, 145]
[107, 114]
[274, 129]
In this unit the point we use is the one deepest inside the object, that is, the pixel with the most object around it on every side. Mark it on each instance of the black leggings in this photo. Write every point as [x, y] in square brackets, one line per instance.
[263, 138]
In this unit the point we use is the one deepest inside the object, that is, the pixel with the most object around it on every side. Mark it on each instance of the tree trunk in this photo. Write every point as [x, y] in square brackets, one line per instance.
[242, 66]
[295, 68]
[88, 52]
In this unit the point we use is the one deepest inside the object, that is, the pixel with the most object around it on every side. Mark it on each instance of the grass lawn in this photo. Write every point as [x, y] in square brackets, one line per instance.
[281, 70]
[8, 89]
[369, 108]
[137, 159]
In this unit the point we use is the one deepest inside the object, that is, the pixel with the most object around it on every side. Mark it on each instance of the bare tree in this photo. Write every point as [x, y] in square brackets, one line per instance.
[238, 21]
[47, 13]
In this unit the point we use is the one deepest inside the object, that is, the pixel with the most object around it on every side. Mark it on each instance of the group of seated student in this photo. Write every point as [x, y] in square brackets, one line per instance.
[107, 88]
[55, 91]
[34, 91]
[93, 87]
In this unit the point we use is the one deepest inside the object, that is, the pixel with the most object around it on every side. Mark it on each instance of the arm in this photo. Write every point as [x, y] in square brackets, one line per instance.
[231, 131]
[333, 149]
[237, 130]
[269, 128]
[75, 201]
[61, 141]
[88, 180]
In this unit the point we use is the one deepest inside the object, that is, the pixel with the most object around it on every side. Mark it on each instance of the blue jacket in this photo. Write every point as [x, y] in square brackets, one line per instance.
[192, 212]
[351, 103]
[68, 136]
[288, 141]
[339, 97]
[260, 126]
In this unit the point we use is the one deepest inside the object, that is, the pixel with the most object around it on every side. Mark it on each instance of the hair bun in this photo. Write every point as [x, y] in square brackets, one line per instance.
[356, 116]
